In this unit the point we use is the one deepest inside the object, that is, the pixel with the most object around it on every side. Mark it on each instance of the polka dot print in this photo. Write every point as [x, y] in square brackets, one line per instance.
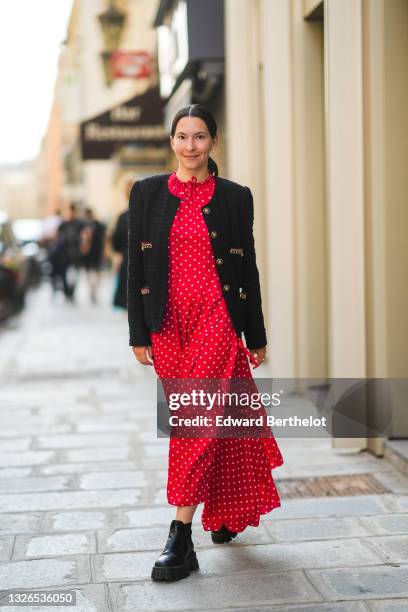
[231, 476]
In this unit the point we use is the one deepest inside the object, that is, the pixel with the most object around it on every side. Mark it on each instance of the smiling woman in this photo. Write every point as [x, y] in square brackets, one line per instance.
[192, 144]
[190, 297]
[32, 67]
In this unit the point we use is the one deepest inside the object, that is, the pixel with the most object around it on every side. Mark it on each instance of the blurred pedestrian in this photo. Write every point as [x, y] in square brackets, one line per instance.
[119, 244]
[51, 224]
[119, 241]
[66, 254]
[92, 249]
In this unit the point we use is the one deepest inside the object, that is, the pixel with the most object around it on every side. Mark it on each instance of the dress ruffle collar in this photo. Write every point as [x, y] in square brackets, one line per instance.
[187, 188]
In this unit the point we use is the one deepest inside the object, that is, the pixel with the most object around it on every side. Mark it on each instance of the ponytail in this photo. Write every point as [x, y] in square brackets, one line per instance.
[212, 167]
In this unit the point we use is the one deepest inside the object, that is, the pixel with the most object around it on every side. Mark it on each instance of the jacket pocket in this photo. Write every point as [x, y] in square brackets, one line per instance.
[147, 304]
[237, 251]
[236, 256]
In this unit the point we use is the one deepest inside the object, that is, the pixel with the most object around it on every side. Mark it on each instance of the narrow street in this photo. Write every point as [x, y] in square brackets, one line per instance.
[83, 489]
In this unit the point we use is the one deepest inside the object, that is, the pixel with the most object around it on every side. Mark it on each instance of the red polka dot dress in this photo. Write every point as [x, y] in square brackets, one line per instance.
[231, 476]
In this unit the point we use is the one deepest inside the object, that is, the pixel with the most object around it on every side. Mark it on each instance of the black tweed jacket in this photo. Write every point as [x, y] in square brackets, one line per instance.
[229, 218]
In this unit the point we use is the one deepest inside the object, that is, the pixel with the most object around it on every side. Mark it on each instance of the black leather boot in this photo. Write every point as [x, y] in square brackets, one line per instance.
[223, 535]
[178, 557]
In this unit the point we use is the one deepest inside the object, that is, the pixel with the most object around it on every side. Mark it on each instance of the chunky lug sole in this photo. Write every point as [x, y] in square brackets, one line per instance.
[222, 538]
[169, 574]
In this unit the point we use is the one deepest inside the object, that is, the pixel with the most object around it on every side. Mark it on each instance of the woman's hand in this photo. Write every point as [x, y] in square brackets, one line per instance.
[259, 355]
[143, 354]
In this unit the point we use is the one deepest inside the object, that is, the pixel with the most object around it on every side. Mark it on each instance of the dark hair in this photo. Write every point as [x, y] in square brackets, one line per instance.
[202, 112]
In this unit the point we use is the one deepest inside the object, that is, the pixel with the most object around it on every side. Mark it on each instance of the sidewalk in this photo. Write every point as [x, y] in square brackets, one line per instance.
[83, 490]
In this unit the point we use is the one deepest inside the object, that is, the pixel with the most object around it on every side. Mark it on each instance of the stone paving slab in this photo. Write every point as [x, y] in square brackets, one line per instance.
[388, 605]
[76, 520]
[395, 482]
[107, 453]
[15, 444]
[159, 496]
[292, 556]
[19, 523]
[46, 572]
[24, 485]
[399, 503]
[116, 480]
[76, 410]
[385, 581]
[236, 559]
[317, 529]
[23, 413]
[33, 430]
[100, 424]
[153, 463]
[54, 545]
[386, 524]
[89, 598]
[331, 469]
[144, 517]
[331, 506]
[82, 468]
[212, 593]
[147, 437]
[156, 450]
[349, 606]
[21, 424]
[72, 499]
[26, 458]
[15, 472]
[116, 567]
[139, 539]
[312, 450]
[6, 546]
[82, 440]
[392, 549]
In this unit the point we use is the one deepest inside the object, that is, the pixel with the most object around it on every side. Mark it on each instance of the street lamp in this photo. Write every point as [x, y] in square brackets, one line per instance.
[106, 57]
[112, 22]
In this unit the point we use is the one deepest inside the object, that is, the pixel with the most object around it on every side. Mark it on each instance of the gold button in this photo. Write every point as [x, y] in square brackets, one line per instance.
[213, 234]
[206, 210]
[219, 261]
[226, 287]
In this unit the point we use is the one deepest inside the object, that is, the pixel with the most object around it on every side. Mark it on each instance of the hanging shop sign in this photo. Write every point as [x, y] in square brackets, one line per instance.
[137, 123]
[132, 64]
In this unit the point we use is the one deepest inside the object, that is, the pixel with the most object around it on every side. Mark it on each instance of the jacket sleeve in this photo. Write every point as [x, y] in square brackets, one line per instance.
[139, 334]
[254, 330]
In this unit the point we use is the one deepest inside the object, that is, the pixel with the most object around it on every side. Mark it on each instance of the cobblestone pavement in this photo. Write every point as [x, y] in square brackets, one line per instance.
[83, 499]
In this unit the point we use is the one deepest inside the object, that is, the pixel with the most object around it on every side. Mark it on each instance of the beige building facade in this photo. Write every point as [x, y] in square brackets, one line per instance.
[19, 190]
[83, 93]
[317, 91]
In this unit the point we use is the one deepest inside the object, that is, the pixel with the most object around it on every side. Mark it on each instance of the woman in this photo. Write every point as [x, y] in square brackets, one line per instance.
[193, 288]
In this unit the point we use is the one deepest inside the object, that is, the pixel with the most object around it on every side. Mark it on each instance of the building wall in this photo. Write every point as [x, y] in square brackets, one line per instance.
[316, 126]
[81, 93]
[18, 191]
[50, 199]
[396, 183]
[99, 186]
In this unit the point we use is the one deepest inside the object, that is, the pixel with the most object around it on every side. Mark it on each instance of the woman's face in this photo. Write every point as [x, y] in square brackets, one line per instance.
[192, 143]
